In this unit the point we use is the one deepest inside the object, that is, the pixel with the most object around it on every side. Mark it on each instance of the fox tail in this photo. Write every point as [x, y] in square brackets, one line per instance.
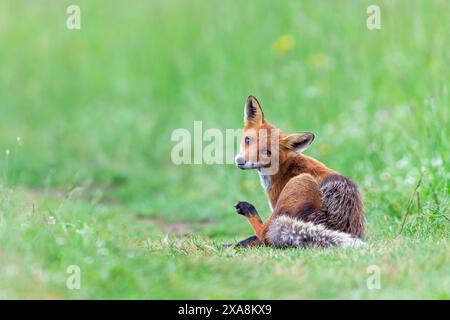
[285, 231]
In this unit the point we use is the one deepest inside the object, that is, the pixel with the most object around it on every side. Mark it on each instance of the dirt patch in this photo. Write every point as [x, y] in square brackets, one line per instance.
[178, 228]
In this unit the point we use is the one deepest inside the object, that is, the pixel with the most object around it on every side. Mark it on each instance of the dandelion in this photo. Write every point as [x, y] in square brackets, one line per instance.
[7, 152]
[19, 141]
[283, 44]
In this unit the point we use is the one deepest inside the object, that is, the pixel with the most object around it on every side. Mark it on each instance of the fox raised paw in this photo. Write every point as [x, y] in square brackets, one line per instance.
[245, 208]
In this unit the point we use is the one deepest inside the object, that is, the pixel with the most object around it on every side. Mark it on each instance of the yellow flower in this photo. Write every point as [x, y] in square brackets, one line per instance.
[283, 44]
[325, 149]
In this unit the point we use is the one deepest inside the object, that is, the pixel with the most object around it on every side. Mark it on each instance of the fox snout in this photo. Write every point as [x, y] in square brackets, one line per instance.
[239, 160]
[243, 164]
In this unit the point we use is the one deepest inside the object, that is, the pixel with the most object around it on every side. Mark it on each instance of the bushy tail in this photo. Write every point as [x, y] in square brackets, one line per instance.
[285, 231]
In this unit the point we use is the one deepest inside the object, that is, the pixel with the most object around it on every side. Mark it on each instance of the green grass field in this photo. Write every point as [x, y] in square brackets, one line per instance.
[86, 116]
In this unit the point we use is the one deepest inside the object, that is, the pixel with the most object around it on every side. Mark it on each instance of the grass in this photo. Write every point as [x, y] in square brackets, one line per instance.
[90, 181]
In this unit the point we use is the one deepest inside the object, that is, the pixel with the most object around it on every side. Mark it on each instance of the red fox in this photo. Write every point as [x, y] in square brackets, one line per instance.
[312, 205]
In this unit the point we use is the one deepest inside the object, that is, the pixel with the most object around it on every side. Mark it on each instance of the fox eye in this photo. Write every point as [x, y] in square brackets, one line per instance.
[266, 152]
[247, 140]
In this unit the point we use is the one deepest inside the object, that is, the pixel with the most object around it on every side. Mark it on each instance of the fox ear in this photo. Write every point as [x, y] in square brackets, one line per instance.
[253, 114]
[298, 141]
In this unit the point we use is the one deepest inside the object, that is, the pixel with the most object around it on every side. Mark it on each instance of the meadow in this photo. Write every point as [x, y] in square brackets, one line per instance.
[86, 117]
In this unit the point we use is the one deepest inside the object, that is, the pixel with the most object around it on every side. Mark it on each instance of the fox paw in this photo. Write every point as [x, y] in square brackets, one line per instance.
[245, 208]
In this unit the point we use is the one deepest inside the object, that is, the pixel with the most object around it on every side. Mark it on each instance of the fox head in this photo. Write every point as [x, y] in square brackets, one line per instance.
[263, 146]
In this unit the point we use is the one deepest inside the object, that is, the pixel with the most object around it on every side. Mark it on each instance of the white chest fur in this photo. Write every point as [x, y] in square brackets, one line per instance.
[266, 181]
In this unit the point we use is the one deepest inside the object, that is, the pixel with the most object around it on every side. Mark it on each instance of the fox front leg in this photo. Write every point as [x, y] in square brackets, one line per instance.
[246, 243]
[248, 210]
[249, 242]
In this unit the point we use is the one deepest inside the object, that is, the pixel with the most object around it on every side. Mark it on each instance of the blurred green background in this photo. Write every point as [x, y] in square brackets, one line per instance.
[86, 120]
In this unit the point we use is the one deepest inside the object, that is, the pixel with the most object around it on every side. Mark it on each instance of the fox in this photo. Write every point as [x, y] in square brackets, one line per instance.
[311, 205]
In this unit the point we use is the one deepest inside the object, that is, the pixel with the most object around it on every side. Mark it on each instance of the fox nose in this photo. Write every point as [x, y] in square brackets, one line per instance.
[239, 160]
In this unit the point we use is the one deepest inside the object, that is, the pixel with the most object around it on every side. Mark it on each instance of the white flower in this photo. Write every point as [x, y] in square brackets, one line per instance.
[7, 152]
[410, 180]
[51, 220]
[403, 163]
[19, 140]
[436, 162]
